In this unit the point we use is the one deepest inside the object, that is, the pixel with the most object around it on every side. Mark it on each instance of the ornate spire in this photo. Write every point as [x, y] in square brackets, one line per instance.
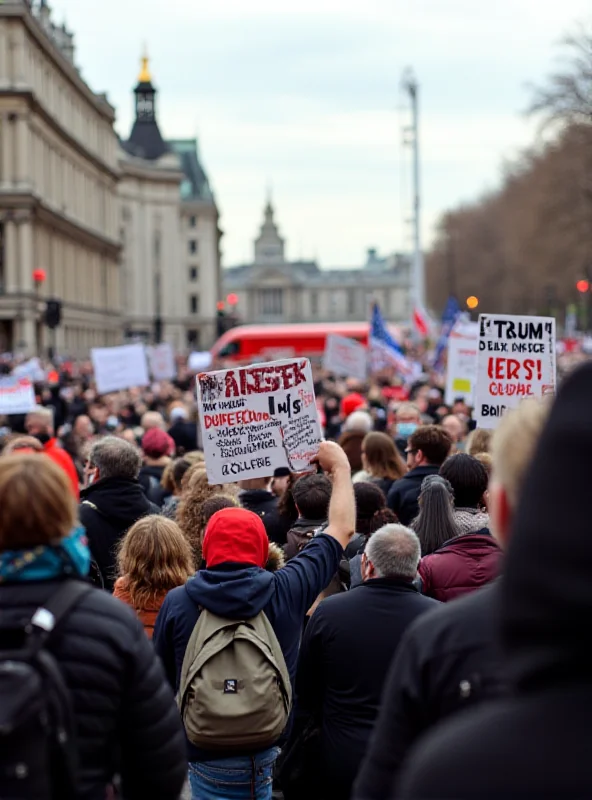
[145, 76]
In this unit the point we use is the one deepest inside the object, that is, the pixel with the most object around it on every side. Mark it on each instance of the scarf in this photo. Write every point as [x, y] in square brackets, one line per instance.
[470, 520]
[69, 556]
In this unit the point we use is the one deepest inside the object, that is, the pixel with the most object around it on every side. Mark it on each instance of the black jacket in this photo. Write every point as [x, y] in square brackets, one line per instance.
[150, 477]
[184, 435]
[404, 494]
[535, 743]
[448, 660]
[125, 714]
[108, 509]
[347, 649]
[264, 504]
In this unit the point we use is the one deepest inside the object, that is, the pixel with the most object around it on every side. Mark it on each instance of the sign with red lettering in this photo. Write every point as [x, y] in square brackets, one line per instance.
[517, 359]
[255, 419]
[16, 396]
[345, 357]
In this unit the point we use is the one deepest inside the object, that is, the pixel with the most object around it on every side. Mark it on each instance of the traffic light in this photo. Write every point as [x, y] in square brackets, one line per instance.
[583, 286]
[220, 318]
[53, 313]
[472, 302]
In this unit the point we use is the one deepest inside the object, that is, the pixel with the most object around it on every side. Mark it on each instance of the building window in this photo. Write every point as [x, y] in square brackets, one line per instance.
[314, 304]
[271, 302]
[193, 274]
[193, 246]
[193, 304]
[193, 222]
[193, 339]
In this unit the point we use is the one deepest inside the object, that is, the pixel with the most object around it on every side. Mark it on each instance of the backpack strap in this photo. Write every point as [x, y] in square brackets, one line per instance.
[46, 620]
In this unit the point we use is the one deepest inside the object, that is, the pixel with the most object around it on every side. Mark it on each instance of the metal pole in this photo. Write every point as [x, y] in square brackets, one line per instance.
[412, 87]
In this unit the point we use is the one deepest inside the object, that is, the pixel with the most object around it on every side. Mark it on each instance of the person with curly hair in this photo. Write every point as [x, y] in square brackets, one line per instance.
[154, 557]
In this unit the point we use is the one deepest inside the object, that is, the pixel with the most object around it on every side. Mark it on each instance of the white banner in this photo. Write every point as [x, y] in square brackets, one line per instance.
[461, 372]
[198, 361]
[162, 362]
[255, 419]
[31, 369]
[516, 360]
[345, 357]
[119, 368]
[16, 396]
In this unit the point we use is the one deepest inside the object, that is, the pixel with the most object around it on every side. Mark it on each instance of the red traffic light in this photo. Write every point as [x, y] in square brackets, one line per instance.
[39, 275]
[583, 286]
[232, 299]
[220, 305]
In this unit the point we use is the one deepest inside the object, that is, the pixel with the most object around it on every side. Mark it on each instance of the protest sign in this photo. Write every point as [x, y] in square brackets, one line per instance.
[199, 361]
[461, 373]
[16, 396]
[516, 360]
[255, 419]
[119, 367]
[345, 357]
[30, 369]
[162, 362]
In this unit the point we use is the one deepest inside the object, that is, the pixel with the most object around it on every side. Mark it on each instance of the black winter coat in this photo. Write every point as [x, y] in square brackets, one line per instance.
[265, 505]
[347, 649]
[125, 714]
[403, 497]
[184, 435]
[448, 660]
[108, 509]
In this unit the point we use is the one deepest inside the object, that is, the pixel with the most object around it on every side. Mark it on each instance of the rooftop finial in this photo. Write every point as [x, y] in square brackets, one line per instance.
[145, 76]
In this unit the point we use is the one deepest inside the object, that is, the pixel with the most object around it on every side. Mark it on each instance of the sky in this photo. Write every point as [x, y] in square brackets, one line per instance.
[302, 98]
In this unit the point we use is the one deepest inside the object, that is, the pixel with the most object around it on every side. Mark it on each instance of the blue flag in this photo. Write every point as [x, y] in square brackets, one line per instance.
[449, 319]
[385, 351]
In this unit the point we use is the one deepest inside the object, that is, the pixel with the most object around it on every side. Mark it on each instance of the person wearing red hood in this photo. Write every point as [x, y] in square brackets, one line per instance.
[352, 402]
[235, 585]
[39, 423]
[157, 447]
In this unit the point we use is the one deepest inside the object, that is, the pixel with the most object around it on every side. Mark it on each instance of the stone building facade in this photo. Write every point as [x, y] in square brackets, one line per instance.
[273, 289]
[58, 190]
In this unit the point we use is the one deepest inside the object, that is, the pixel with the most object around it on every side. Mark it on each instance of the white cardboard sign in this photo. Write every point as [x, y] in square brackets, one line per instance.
[162, 362]
[119, 368]
[31, 369]
[516, 360]
[345, 357]
[199, 361]
[255, 419]
[461, 372]
[16, 396]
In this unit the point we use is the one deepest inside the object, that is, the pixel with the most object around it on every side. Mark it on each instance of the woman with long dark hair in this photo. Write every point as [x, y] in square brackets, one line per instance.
[435, 523]
[382, 461]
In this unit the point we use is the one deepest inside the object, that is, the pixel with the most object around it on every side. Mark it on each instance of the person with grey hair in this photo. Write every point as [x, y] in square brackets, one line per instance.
[347, 650]
[39, 423]
[112, 502]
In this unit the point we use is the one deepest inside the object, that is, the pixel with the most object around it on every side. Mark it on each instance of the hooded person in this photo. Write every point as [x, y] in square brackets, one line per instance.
[535, 743]
[157, 447]
[235, 585]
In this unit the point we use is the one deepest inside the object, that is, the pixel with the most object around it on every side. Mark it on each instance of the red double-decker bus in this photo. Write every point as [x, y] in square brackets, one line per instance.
[249, 343]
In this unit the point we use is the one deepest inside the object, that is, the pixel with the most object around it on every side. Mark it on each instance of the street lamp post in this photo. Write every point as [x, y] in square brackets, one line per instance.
[39, 276]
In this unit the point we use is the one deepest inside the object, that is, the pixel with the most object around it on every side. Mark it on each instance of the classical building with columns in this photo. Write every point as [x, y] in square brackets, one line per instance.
[58, 190]
[274, 289]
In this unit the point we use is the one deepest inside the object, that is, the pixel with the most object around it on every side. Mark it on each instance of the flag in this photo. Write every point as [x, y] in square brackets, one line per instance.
[421, 320]
[385, 351]
[449, 319]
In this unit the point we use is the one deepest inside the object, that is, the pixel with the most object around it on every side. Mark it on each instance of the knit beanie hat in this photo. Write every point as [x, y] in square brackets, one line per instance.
[235, 535]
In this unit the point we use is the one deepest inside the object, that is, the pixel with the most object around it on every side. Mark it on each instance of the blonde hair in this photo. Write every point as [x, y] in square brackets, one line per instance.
[479, 441]
[22, 443]
[154, 557]
[36, 501]
[513, 445]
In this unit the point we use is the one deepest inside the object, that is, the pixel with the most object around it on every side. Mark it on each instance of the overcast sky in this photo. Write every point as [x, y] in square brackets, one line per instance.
[303, 95]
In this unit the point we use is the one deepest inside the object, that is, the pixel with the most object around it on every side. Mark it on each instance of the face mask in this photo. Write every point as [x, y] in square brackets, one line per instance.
[43, 437]
[406, 429]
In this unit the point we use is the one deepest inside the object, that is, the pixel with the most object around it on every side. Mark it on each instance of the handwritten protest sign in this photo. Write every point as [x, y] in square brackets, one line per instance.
[119, 367]
[461, 373]
[257, 418]
[162, 362]
[31, 369]
[199, 361]
[345, 357]
[16, 396]
[516, 360]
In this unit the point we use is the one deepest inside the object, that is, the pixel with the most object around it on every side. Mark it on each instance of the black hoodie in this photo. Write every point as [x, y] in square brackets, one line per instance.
[108, 509]
[537, 743]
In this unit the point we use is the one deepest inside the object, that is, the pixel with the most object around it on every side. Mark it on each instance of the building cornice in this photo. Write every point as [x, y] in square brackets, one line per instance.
[145, 171]
[68, 70]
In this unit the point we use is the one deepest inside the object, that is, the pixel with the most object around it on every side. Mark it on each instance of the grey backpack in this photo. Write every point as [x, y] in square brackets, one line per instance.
[235, 691]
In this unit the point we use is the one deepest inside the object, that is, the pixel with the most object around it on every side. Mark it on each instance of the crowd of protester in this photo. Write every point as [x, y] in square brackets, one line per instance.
[417, 598]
